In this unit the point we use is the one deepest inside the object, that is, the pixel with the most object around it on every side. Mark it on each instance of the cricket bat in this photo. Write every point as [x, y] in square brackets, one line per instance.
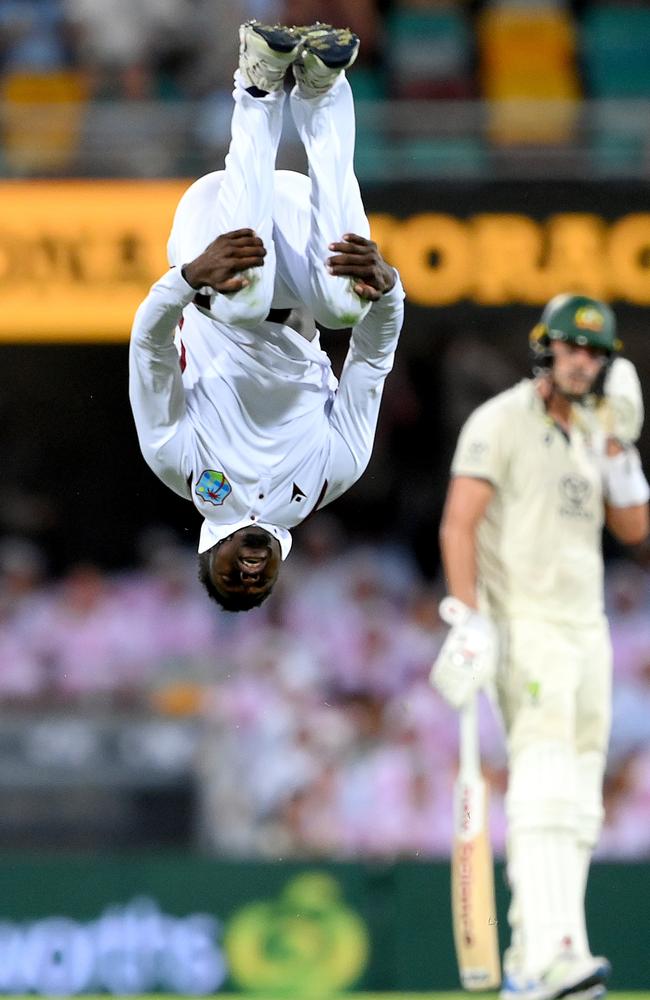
[473, 905]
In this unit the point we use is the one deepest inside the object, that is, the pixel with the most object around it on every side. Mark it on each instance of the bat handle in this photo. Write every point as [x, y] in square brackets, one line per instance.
[469, 749]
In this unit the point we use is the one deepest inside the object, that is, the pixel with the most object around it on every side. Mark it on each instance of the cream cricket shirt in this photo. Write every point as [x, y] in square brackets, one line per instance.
[251, 425]
[539, 545]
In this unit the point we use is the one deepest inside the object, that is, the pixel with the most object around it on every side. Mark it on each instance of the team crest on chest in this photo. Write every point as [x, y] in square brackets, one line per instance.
[575, 491]
[213, 487]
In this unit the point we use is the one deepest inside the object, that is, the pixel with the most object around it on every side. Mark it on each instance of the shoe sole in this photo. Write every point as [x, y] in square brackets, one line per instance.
[594, 993]
[591, 987]
[278, 39]
[332, 51]
[305, 30]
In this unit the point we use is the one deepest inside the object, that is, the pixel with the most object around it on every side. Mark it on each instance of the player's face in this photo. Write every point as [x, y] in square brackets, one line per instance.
[575, 368]
[246, 562]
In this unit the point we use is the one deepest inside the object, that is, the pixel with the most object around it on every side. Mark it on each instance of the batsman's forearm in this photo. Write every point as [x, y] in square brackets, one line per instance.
[629, 525]
[458, 550]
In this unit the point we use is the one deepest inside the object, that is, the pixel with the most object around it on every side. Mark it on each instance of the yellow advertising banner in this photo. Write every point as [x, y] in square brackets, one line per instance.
[77, 257]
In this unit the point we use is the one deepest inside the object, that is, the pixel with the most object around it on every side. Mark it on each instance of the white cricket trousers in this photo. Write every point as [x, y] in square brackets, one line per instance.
[296, 216]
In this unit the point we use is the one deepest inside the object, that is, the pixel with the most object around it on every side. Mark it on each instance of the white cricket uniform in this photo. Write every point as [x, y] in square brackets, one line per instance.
[296, 216]
[540, 571]
[255, 430]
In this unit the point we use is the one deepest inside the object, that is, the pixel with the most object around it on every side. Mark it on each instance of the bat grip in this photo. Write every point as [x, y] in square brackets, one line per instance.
[469, 748]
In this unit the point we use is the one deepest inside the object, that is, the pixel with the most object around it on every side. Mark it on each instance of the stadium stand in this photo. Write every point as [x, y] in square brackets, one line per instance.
[615, 56]
[528, 72]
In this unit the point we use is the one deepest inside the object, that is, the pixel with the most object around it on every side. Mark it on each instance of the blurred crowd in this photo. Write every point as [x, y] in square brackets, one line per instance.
[80, 58]
[319, 734]
[183, 48]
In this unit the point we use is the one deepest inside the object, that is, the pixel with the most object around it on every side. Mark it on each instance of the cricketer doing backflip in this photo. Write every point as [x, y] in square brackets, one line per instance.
[255, 429]
[538, 470]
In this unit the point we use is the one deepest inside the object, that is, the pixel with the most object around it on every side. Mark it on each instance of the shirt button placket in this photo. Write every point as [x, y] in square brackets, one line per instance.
[262, 491]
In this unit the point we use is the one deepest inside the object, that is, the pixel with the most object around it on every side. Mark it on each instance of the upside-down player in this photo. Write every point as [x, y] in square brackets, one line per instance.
[537, 471]
[255, 431]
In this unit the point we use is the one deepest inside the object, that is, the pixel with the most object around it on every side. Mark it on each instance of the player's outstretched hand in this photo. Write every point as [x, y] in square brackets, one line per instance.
[358, 258]
[221, 264]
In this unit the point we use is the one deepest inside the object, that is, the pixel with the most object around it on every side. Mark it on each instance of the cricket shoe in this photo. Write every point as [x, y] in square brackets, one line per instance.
[265, 53]
[596, 992]
[326, 52]
[531, 991]
[568, 975]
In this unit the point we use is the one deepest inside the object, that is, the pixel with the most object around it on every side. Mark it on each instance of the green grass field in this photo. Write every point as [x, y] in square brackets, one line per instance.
[638, 995]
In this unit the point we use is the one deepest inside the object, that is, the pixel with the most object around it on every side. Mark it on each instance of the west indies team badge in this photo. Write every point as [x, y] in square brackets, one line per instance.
[213, 487]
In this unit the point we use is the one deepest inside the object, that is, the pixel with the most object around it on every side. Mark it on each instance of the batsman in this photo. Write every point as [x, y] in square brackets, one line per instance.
[538, 470]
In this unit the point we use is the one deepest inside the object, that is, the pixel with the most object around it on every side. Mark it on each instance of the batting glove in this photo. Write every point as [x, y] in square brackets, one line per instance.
[621, 408]
[467, 659]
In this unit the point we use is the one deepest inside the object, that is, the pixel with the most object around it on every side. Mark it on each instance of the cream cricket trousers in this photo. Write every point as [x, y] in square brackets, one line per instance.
[554, 683]
[296, 216]
[554, 692]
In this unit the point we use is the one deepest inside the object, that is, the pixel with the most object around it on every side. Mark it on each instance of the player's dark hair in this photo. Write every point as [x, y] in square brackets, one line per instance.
[229, 602]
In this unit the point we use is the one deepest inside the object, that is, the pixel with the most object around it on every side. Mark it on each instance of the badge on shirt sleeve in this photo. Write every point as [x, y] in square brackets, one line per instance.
[477, 451]
[213, 487]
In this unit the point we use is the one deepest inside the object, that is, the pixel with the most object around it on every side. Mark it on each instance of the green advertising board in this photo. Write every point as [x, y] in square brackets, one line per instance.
[195, 926]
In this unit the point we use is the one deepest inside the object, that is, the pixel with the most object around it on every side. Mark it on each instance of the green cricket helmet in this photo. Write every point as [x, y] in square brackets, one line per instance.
[575, 319]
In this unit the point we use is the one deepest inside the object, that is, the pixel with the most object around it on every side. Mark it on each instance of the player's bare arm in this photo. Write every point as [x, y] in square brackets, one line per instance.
[629, 525]
[467, 500]
[221, 264]
[359, 258]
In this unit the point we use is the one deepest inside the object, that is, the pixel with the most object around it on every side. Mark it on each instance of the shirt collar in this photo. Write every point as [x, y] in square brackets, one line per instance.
[212, 533]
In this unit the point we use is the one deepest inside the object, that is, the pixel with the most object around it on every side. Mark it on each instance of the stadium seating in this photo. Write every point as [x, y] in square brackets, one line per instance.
[528, 54]
[615, 54]
[615, 50]
[42, 114]
[430, 53]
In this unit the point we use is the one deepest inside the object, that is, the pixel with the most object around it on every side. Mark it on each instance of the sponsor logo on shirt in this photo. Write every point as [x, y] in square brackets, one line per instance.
[575, 491]
[297, 494]
[213, 487]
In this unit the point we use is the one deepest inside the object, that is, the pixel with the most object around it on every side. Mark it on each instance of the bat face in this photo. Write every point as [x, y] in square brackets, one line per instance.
[472, 889]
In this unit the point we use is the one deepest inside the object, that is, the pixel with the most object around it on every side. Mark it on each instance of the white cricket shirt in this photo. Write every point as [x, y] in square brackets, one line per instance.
[539, 544]
[254, 430]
